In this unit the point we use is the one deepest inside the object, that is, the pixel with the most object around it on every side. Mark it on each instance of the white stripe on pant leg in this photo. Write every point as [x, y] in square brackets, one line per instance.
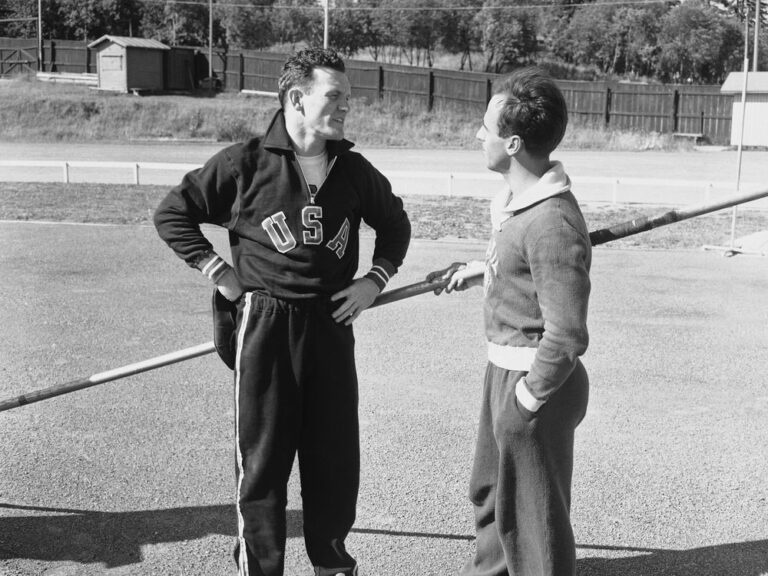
[242, 561]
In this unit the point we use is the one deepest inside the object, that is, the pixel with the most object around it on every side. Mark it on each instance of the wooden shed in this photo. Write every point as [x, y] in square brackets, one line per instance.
[756, 111]
[129, 64]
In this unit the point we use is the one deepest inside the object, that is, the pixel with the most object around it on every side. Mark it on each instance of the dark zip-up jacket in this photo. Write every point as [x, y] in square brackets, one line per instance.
[286, 242]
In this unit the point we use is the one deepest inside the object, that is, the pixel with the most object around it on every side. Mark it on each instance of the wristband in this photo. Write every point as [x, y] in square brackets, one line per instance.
[524, 396]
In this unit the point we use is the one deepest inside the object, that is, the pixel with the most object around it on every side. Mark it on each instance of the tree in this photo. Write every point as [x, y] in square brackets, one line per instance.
[18, 9]
[89, 19]
[348, 29]
[175, 24]
[642, 27]
[384, 30]
[412, 30]
[296, 21]
[248, 26]
[698, 44]
[590, 38]
[508, 35]
[459, 33]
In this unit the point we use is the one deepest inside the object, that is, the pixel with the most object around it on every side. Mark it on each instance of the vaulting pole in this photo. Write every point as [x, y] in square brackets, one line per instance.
[597, 237]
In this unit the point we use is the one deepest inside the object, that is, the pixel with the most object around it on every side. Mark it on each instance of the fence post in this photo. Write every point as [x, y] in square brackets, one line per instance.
[608, 100]
[488, 90]
[241, 72]
[430, 91]
[381, 83]
[676, 111]
[136, 174]
[65, 166]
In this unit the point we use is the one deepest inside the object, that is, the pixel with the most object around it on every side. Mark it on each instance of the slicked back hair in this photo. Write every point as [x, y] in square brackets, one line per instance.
[298, 69]
[534, 109]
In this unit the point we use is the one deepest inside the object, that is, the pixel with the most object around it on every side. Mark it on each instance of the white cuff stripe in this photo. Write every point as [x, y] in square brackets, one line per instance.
[212, 273]
[525, 397]
[210, 263]
[380, 270]
[382, 277]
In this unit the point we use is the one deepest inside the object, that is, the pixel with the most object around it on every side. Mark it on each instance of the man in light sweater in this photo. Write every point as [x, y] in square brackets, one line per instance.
[536, 282]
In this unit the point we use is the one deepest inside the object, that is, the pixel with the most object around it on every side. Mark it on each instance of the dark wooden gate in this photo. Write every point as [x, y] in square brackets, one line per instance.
[17, 61]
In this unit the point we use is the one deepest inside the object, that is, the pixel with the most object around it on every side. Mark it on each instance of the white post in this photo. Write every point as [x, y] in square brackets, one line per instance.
[743, 118]
[66, 172]
[325, 24]
[136, 174]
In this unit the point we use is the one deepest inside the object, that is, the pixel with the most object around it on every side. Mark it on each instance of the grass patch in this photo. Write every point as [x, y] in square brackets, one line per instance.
[432, 217]
[41, 111]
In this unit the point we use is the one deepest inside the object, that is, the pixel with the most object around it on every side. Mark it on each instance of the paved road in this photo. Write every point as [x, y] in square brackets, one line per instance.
[649, 177]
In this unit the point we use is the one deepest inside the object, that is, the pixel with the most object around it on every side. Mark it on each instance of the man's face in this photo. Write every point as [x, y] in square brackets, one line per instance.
[495, 147]
[325, 104]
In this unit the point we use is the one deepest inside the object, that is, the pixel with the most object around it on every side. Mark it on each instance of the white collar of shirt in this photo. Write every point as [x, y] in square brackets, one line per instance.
[553, 182]
[314, 168]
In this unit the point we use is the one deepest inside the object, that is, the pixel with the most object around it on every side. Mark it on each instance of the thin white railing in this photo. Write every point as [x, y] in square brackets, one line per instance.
[469, 184]
[66, 166]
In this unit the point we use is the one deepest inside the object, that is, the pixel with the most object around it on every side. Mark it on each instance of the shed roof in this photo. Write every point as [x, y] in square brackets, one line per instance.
[757, 83]
[127, 42]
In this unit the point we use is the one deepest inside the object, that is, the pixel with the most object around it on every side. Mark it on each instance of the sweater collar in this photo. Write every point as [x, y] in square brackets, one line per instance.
[504, 205]
[277, 138]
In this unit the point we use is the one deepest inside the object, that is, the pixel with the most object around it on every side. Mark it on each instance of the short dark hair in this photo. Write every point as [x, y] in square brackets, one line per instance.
[534, 109]
[298, 69]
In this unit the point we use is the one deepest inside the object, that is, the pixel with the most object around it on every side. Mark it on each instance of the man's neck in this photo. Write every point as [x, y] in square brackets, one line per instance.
[526, 171]
[304, 144]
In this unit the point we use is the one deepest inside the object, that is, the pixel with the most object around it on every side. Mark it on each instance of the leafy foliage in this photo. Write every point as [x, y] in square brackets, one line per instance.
[695, 40]
[697, 45]
[509, 35]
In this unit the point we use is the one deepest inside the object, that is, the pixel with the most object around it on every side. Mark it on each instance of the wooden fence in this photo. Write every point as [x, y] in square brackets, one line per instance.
[669, 108]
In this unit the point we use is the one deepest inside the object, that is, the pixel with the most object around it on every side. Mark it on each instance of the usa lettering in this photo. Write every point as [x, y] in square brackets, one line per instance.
[312, 231]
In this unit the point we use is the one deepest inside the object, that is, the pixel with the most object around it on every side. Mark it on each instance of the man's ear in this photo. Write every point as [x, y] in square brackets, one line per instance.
[295, 96]
[514, 145]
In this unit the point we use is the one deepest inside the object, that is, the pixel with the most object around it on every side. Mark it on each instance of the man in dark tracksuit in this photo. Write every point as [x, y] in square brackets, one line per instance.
[293, 201]
[536, 281]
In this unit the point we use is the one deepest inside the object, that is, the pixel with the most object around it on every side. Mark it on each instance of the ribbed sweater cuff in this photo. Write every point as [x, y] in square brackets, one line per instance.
[214, 267]
[380, 273]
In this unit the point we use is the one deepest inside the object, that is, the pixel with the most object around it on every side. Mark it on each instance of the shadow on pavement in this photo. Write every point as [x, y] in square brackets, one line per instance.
[112, 538]
[738, 559]
[116, 539]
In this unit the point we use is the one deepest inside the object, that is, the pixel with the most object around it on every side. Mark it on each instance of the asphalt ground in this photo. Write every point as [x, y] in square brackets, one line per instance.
[136, 477]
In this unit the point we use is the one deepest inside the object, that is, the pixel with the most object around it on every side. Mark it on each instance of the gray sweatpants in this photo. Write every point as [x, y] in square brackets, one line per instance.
[521, 479]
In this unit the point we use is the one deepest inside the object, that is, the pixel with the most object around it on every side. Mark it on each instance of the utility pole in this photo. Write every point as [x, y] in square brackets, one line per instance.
[39, 35]
[325, 23]
[757, 36]
[210, 42]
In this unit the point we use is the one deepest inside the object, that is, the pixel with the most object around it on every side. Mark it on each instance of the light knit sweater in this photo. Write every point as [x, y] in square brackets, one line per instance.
[537, 283]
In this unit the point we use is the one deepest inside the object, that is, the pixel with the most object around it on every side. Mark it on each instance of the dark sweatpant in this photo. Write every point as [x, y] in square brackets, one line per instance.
[521, 479]
[295, 391]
